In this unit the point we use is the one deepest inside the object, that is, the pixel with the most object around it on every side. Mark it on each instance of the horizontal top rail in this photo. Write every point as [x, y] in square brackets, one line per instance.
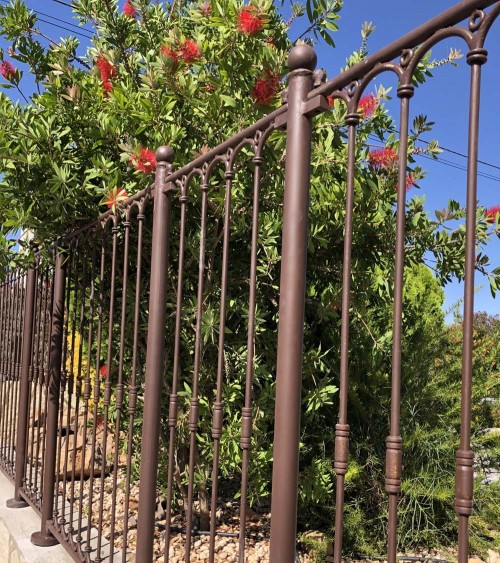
[197, 163]
[448, 18]
[232, 142]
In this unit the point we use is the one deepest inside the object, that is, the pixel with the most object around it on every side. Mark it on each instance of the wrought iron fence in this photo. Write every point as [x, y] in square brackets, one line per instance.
[84, 424]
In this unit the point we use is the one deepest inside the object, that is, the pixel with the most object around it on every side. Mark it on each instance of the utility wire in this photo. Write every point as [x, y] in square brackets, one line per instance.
[459, 167]
[80, 29]
[463, 155]
[66, 28]
[441, 160]
[451, 151]
[449, 163]
[63, 3]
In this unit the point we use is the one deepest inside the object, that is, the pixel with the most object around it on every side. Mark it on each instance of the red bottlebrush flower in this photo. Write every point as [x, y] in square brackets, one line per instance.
[410, 182]
[170, 54]
[106, 84]
[8, 70]
[129, 10]
[368, 105]
[145, 161]
[492, 212]
[115, 197]
[266, 87]
[107, 69]
[249, 20]
[206, 8]
[189, 51]
[383, 158]
[104, 371]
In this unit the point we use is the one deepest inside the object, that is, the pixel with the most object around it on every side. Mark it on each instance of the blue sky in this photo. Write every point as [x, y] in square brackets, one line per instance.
[444, 99]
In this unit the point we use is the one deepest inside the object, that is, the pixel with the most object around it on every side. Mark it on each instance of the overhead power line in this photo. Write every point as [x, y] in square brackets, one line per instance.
[77, 31]
[459, 167]
[66, 28]
[452, 164]
[63, 3]
[80, 28]
[451, 151]
[464, 155]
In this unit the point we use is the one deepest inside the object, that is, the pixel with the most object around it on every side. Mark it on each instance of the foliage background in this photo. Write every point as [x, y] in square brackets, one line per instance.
[76, 144]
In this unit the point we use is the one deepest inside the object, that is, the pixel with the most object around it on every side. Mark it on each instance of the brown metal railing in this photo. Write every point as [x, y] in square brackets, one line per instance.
[97, 387]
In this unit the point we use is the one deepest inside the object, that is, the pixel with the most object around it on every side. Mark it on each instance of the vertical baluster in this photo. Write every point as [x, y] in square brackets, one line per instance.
[173, 404]
[194, 403]
[342, 427]
[41, 441]
[301, 61]
[2, 356]
[10, 369]
[23, 411]
[59, 499]
[78, 388]
[119, 384]
[107, 390]
[44, 538]
[394, 445]
[14, 371]
[86, 390]
[69, 366]
[464, 478]
[132, 387]
[246, 415]
[96, 388]
[17, 327]
[35, 376]
[5, 363]
[155, 355]
[218, 413]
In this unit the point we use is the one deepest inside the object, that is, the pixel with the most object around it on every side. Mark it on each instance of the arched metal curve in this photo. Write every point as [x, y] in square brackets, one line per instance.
[486, 24]
[380, 68]
[439, 36]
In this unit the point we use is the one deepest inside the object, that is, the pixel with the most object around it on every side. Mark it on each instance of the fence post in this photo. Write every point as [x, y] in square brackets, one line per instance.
[154, 357]
[301, 62]
[22, 413]
[44, 538]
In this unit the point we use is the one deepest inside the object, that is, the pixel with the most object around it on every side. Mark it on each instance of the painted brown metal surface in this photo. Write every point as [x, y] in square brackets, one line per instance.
[155, 356]
[302, 62]
[83, 354]
[25, 360]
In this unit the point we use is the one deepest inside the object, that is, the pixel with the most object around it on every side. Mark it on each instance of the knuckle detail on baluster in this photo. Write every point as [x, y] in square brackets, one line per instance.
[394, 454]
[172, 411]
[246, 428]
[477, 57]
[193, 414]
[341, 449]
[464, 482]
[217, 420]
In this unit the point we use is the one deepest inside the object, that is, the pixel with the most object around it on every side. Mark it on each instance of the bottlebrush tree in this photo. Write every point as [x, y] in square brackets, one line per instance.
[190, 75]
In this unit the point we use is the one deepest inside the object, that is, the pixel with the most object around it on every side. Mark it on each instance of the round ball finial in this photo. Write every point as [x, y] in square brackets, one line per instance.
[165, 154]
[302, 56]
